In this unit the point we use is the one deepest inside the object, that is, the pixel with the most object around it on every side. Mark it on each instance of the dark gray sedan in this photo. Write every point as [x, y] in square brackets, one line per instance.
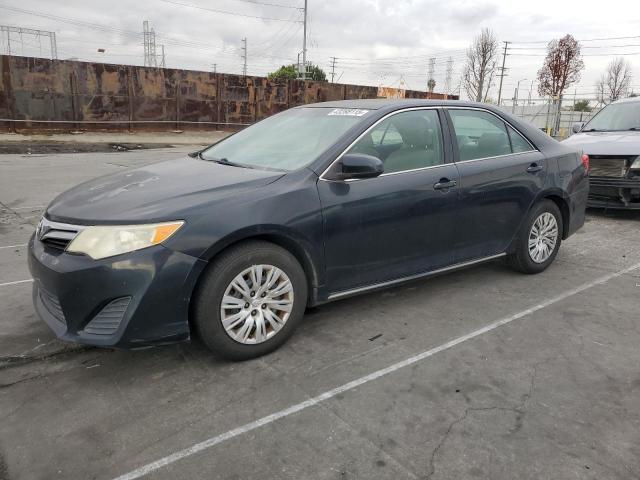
[308, 206]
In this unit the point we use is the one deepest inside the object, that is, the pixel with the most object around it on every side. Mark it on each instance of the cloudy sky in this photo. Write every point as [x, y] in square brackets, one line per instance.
[376, 42]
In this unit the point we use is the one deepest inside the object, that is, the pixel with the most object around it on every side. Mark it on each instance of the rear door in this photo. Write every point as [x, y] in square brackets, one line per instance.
[501, 173]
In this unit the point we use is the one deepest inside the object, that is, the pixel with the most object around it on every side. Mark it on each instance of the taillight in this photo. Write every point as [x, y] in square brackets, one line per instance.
[585, 161]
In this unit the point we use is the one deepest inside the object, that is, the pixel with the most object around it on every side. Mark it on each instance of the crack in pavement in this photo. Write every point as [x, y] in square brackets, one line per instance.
[18, 360]
[520, 411]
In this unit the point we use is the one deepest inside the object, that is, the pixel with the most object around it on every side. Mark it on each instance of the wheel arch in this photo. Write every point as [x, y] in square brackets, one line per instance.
[301, 249]
[559, 199]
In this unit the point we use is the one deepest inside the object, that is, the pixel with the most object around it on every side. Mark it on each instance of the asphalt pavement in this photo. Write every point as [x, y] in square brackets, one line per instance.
[481, 374]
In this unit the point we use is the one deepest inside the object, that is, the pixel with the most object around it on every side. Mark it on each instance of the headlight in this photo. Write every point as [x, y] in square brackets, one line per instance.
[636, 163]
[106, 241]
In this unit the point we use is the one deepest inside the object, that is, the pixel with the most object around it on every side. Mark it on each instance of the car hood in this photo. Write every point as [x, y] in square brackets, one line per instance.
[158, 192]
[606, 143]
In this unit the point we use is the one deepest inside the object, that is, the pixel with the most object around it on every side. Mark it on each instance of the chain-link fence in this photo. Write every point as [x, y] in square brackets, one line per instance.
[544, 114]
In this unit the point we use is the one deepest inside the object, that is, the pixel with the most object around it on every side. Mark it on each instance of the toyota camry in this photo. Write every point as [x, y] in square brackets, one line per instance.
[314, 204]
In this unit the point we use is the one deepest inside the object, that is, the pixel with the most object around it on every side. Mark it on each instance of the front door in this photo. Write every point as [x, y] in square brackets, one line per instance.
[400, 223]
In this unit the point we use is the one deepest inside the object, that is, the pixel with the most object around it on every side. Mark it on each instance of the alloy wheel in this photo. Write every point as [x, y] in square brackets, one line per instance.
[256, 304]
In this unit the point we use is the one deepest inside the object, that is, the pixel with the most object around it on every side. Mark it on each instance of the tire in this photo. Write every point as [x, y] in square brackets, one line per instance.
[522, 259]
[249, 260]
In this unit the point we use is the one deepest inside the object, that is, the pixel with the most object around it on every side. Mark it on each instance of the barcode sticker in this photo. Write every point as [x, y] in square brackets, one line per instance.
[349, 112]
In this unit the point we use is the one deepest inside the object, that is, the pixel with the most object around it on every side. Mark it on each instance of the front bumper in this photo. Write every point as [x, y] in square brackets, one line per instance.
[614, 192]
[142, 297]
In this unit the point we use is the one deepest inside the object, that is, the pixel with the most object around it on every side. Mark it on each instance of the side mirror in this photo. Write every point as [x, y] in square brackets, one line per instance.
[359, 165]
[576, 127]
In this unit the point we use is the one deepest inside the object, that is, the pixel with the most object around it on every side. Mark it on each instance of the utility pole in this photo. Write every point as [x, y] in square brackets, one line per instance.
[304, 44]
[333, 68]
[502, 70]
[244, 56]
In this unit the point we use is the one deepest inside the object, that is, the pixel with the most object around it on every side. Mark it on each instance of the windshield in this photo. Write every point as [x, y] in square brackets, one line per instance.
[617, 116]
[287, 141]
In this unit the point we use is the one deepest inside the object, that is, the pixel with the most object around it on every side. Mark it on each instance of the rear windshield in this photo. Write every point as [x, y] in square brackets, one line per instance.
[287, 141]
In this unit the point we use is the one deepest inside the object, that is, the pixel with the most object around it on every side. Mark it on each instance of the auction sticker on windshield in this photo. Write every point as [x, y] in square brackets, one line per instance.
[348, 112]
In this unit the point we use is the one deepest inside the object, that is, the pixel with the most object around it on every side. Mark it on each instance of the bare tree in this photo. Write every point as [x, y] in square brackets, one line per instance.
[481, 66]
[561, 68]
[614, 84]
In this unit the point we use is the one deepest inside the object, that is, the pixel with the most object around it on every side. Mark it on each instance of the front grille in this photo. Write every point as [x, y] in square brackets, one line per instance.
[51, 303]
[108, 320]
[608, 166]
[55, 235]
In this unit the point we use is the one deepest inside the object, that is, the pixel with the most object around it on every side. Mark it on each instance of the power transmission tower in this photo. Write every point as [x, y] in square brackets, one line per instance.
[333, 68]
[448, 76]
[163, 62]
[244, 56]
[215, 68]
[503, 70]
[430, 73]
[149, 38]
[304, 43]
[53, 46]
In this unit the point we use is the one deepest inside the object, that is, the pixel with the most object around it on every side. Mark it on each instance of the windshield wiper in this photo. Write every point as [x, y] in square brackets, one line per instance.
[634, 129]
[592, 130]
[222, 161]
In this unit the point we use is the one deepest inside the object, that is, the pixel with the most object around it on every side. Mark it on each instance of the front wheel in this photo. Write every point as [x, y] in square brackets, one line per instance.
[539, 240]
[250, 300]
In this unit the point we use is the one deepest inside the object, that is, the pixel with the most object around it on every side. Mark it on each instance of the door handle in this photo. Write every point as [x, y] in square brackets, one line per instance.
[534, 167]
[445, 184]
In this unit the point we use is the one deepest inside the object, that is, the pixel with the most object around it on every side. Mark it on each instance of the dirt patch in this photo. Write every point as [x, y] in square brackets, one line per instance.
[27, 148]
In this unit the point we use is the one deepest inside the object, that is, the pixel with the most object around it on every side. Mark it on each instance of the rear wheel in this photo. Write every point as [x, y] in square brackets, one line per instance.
[539, 239]
[250, 300]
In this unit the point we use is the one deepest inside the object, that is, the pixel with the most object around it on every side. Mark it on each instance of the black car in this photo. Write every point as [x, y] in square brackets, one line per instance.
[310, 205]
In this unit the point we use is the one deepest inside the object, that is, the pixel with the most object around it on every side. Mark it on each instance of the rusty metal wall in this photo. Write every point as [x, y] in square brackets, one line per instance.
[67, 95]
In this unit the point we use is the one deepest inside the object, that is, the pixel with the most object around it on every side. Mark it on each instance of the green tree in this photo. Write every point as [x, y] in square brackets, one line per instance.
[290, 72]
[582, 106]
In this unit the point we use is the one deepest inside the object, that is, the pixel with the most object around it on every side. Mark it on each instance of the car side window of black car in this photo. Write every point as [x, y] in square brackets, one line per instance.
[405, 141]
[479, 134]
[518, 143]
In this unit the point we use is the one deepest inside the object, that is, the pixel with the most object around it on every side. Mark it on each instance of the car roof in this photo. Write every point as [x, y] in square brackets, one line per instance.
[391, 104]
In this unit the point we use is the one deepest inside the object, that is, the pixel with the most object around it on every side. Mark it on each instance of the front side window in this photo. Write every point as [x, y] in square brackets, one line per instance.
[287, 141]
[479, 134]
[405, 141]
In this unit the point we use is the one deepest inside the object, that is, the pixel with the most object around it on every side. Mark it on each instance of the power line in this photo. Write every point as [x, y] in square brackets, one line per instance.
[224, 12]
[583, 40]
[256, 2]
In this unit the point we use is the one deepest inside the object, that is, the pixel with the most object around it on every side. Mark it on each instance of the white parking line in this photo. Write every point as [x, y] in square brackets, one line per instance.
[16, 282]
[15, 246]
[198, 447]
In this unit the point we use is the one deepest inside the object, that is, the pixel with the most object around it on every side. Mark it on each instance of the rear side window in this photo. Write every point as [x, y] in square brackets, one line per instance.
[480, 134]
[518, 143]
